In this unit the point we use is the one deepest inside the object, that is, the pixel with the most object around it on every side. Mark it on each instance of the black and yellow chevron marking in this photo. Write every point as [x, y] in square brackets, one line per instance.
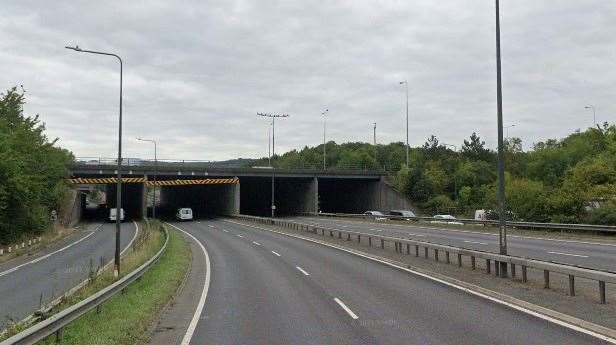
[106, 180]
[233, 180]
[113, 180]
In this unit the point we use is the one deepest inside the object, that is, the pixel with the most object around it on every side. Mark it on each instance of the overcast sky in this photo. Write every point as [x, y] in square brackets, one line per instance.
[195, 74]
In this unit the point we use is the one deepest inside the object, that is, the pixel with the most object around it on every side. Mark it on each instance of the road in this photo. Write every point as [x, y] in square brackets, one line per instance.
[22, 283]
[267, 288]
[580, 253]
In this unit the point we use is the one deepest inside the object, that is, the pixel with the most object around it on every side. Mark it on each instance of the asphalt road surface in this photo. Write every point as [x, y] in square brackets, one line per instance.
[22, 283]
[580, 253]
[268, 288]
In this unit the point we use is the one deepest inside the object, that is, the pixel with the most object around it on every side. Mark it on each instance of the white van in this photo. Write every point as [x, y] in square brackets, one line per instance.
[113, 214]
[184, 214]
[481, 215]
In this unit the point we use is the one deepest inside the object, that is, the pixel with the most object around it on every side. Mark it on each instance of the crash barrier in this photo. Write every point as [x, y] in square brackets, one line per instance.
[57, 322]
[492, 260]
[520, 225]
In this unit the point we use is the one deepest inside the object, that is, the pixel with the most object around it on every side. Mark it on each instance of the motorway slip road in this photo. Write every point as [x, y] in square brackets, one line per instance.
[581, 253]
[54, 273]
[267, 288]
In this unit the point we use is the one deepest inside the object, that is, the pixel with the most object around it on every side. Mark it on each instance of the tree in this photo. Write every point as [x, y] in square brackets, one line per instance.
[474, 149]
[32, 171]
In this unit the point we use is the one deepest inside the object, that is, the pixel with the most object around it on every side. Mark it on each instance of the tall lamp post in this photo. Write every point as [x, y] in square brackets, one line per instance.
[594, 114]
[502, 234]
[119, 172]
[155, 173]
[273, 117]
[324, 114]
[406, 84]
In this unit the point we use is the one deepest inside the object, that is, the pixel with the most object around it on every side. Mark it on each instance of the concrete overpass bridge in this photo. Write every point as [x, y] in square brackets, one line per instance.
[212, 189]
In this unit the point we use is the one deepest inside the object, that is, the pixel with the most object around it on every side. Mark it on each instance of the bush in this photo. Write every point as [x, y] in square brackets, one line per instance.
[605, 215]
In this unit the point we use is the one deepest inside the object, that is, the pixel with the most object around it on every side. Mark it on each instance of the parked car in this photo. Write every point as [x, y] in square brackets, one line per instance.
[376, 215]
[184, 213]
[445, 219]
[403, 214]
[113, 213]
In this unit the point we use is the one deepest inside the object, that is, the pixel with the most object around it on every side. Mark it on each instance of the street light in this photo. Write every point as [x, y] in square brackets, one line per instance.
[324, 113]
[502, 234]
[507, 129]
[594, 114]
[155, 174]
[273, 117]
[119, 172]
[407, 120]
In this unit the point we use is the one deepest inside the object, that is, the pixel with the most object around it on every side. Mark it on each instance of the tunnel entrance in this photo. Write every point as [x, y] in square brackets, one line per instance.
[337, 195]
[205, 200]
[133, 201]
[293, 196]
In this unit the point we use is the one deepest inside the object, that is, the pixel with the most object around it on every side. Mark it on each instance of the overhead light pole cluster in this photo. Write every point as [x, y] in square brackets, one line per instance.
[273, 117]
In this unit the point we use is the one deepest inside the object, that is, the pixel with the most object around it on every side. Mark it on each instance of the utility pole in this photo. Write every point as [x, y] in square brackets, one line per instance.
[273, 117]
[155, 174]
[119, 172]
[324, 113]
[406, 84]
[502, 234]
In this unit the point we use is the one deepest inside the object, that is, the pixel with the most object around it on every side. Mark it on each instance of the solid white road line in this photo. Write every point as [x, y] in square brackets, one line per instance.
[450, 284]
[132, 240]
[475, 242]
[273, 252]
[206, 285]
[349, 311]
[50, 254]
[301, 270]
[567, 254]
[256, 243]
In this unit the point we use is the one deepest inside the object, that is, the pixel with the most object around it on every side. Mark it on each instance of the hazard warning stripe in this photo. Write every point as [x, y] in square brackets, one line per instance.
[193, 182]
[106, 180]
[111, 180]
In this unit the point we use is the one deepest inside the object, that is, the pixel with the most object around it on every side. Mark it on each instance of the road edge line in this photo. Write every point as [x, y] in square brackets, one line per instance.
[206, 285]
[41, 258]
[511, 302]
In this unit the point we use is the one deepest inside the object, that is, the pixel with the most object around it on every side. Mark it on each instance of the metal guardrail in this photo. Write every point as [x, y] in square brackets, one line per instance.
[58, 321]
[521, 225]
[602, 277]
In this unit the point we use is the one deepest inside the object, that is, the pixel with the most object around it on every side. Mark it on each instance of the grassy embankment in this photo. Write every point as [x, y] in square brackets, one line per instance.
[127, 317]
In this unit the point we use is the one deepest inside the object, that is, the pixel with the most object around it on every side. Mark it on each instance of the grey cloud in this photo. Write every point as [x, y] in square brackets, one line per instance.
[196, 72]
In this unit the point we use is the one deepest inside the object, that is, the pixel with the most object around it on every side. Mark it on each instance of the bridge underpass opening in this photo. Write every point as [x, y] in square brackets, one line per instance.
[204, 200]
[343, 195]
[133, 199]
[293, 195]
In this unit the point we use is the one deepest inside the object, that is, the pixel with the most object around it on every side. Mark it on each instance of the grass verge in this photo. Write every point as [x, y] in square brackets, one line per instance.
[126, 317]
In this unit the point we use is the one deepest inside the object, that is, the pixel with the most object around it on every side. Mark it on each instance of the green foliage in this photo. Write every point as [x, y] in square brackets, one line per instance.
[556, 181]
[32, 171]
